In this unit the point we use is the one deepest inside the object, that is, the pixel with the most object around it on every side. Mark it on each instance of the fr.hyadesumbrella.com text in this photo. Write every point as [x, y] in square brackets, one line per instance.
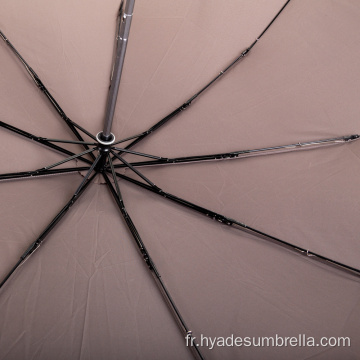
[266, 341]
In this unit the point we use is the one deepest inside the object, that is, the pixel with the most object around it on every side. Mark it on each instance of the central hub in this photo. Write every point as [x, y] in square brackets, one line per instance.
[102, 140]
[104, 149]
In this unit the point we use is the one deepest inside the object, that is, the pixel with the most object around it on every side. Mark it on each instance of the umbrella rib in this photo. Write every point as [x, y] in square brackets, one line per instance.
[247, 153]
[35, 245]
[72, 125]
[149, 262]
[134, 170]
[70, 141]
[66, 160]
[114, 177]
[187, 103]
[84, 182]
[138, 153]
[39, 140]
[128, 138]
[234, 223]
[31, 174]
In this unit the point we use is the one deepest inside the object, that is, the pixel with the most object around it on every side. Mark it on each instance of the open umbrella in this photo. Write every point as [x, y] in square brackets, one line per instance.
[87, 293]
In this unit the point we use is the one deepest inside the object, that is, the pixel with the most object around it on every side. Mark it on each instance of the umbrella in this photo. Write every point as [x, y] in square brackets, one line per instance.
[87, 293]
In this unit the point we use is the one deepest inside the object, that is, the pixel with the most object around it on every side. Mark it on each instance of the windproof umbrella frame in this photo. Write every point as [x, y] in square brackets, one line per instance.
[104, 150]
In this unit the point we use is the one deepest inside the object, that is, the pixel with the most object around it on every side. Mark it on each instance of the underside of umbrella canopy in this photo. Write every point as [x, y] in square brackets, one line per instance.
[236, 244]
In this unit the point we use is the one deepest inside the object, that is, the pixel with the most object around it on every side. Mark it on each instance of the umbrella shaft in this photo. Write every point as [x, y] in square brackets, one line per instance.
[122, 37]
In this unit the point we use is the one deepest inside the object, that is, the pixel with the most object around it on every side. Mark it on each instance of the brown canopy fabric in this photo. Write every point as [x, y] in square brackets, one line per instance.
[87, 293]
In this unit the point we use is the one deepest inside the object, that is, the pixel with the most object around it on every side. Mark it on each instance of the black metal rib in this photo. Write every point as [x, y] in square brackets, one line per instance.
[247, 153]
[127, 139]
[40, 140]
[271, 22]
[187, 103]
[138, 153]
[35, 245]
[70, 141]
[231, 222]
[158, 125]
[134, 170]
[53, 102]
[67, 159]
[89, 134]
[38, 173]
[114, 177]
[149, 262]
[79, 189]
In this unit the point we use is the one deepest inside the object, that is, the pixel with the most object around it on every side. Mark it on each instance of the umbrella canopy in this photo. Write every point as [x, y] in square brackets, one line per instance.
[87, 294]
